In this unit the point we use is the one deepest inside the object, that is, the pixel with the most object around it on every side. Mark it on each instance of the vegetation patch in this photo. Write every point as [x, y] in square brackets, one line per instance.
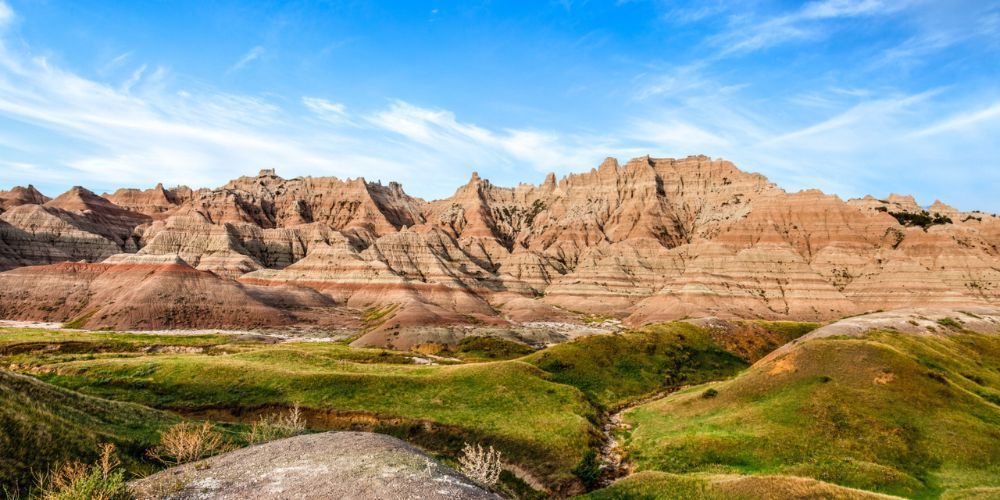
[614, 369]
[80, 321]
[374, 316]
[45, 426]
[922, 219]
[949, 322]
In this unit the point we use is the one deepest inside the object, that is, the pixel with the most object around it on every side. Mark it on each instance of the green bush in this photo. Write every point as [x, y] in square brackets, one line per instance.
[588, 470]
[922, 219]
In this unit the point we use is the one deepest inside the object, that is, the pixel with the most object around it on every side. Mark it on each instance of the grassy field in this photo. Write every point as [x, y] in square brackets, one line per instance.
[890, 413]
[893, 413]
[541, 410]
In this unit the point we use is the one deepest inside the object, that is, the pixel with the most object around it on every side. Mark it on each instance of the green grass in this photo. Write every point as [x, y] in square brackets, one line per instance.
[893, 413]
[374, 316]
[541, 424]
[541, 409]
[44, 426]
[949, 322]
[614, 369]
[476, 348]
[81, 320]
[593, 319]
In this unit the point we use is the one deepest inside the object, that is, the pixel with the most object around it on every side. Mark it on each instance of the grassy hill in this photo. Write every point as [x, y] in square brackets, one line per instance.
[541, 410]
[44, 425]
[614, 369]
[904, 414]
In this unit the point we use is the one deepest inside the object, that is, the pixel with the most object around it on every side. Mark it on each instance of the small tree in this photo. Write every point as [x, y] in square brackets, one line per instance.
[481, 465]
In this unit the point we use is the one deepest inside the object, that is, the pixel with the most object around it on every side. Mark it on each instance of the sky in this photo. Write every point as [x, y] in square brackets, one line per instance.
[853, 97]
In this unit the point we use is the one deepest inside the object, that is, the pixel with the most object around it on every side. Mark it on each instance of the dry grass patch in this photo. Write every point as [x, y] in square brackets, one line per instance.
[187, 442]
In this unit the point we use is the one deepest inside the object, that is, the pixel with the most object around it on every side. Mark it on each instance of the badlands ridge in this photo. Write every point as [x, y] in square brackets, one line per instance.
[651, 240]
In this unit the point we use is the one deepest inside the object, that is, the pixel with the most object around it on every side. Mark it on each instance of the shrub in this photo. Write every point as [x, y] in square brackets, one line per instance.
[492, 347]
[709, 393]
[187, 442]
[480, 464]
[276, 426]
[922, 219]
[588, 470]
[950, 323]
[103, 480]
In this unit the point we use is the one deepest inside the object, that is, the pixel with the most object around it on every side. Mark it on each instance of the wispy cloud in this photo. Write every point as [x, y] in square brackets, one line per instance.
[6, 14]
[251, 56]
[324, 107]
[440, 132]
[116, 62]
[852, 130]
[147, 130]
[748, 33]
[961, 121]
[133, 79]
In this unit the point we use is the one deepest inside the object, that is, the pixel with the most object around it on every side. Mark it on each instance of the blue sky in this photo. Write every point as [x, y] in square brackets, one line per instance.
[850, 96]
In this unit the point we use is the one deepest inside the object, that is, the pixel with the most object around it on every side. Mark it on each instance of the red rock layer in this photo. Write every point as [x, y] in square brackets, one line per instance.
[130, 292]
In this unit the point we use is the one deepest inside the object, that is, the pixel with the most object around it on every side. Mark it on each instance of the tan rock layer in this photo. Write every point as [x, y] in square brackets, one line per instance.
[651, 240]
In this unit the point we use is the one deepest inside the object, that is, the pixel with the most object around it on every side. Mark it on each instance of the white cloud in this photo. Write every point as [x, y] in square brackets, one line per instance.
[6, 14]
[251, 56]
[133, 79]
[147, 130]
[322, 106]
[961, 121]
[748, 34]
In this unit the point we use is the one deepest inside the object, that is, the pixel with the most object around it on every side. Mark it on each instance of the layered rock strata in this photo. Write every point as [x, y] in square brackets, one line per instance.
[650, 240]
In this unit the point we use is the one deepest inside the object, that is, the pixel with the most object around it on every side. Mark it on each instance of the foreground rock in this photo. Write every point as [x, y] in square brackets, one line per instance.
[329, 465]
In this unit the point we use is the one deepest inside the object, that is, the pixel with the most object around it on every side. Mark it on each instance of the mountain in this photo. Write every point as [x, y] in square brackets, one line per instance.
[650, 240]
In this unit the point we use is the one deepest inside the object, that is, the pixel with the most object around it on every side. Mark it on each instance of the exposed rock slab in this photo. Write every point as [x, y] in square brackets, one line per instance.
[345, 465]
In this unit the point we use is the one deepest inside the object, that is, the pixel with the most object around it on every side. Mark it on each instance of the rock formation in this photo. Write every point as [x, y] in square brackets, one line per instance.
[650, 240]
[349, 465]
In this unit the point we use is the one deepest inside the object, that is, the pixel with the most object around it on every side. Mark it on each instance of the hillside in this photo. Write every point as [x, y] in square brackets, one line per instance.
[904, 403]
[46, 425]
[647, 241]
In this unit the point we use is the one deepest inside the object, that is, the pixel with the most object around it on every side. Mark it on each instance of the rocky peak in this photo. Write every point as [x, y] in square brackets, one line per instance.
[609, 166]
[19, 195]
[939, 207]
[905, 203]
[550, 181]
[79, 199]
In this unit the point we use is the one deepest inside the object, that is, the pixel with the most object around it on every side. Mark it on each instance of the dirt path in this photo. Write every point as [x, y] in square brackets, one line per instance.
[275, 335]
[613, 456]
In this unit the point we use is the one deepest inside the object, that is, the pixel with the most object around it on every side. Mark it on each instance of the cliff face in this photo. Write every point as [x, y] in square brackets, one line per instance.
[650, 240]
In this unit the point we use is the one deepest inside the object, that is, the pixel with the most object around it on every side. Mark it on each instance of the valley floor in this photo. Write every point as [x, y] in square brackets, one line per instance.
[903, 404]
